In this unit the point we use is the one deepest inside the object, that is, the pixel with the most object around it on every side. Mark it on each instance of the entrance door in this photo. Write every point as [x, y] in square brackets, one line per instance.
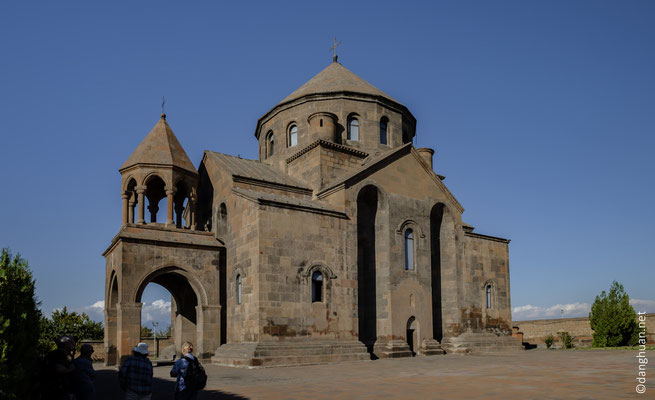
[412, 334]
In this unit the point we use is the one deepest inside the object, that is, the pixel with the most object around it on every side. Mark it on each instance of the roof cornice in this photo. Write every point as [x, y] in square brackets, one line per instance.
[329, 145]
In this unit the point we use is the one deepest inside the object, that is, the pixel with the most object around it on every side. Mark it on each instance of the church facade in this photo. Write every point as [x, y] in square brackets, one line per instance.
[340, 242]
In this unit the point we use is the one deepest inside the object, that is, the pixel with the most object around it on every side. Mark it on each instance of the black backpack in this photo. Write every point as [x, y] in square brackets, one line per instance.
[195, 378]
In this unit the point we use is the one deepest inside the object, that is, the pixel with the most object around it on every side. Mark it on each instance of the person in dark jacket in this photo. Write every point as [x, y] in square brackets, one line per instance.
[59, 369]
[182, 391]
[84, 374]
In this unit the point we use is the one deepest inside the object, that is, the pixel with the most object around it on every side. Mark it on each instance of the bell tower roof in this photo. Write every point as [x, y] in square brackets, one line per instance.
[160, 147]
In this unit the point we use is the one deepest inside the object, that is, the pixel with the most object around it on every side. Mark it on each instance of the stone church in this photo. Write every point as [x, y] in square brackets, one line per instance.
[341, 242]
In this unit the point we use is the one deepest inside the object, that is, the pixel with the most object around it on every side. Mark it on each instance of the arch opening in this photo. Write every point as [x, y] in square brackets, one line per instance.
[436, 218]
[180, 205]
[132, 199]
[367, 207]
[155, 192]
[181, 311]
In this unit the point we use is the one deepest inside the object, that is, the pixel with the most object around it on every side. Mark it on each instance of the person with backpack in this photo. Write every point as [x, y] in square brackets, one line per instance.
[191, 376]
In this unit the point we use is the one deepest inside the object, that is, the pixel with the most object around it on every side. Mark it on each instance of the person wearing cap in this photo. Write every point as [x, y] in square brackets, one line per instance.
[84, 374]
[135, 375]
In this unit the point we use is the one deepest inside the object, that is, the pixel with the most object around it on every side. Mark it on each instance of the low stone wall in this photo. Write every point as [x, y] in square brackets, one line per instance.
[536, 331]
[162, 343]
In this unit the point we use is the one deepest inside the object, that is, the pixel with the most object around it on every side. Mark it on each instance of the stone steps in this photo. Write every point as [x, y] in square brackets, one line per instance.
[481, 344]
[288, 353]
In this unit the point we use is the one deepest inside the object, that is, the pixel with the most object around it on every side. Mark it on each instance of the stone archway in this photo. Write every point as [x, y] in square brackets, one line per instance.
[187, 264]
[184, 305]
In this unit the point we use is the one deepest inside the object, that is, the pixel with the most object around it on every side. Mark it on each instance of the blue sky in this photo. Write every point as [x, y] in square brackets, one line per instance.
[541, 114]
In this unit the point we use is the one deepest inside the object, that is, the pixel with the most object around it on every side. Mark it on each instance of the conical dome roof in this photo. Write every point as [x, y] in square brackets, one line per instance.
[160, 147]
[336, 78]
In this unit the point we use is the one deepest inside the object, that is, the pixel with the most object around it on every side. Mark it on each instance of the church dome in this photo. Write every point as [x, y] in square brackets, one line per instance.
[336, 78]
[351, 112]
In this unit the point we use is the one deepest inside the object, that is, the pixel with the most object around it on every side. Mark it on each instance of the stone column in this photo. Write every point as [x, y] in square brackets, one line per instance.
[208, 330]
[131, 204]
[169, 206]
[192, 213]
[140, 191]
[185, 331]
[110, 337]
[126, 199]
[129, 328]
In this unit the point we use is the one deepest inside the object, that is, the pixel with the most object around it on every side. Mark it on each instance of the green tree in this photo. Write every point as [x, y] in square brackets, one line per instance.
[19, 327]
[146, 332]
[167, 332]
[613, 319]
[78, 326]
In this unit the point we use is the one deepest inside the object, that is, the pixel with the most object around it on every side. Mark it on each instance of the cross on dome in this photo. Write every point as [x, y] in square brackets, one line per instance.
[334, 49]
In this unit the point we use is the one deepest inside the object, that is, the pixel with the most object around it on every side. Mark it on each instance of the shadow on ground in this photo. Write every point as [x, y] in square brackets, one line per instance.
[107, 388]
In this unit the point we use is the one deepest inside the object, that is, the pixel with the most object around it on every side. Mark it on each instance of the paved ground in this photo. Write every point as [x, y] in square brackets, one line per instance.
[543, 374]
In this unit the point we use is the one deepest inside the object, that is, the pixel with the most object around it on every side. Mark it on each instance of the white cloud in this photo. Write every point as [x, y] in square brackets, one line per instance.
[158, 310]
[99, 305]
[643, 305]
[528, 312]
[95, 311]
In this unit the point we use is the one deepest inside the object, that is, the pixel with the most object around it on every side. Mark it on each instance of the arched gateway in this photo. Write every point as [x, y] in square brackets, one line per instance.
[175, 255]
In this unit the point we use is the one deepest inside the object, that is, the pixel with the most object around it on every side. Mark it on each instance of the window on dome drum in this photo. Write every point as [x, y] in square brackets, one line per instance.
[488, 290]
[317, 287]
[270, 144]
[293, 136]
[238, 289]
[353, 129]
[409, 250]
[383, 130]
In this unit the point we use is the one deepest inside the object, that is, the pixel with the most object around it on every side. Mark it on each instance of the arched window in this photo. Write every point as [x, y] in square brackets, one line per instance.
[317, 287]
[270, 144]
[409, 250]
[238, 289]
[383, 130]
[488, 292]
[293, 135]
[353, 129]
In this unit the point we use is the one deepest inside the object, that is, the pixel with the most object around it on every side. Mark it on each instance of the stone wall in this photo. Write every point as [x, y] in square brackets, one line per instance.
[536, 331]
[99, 353]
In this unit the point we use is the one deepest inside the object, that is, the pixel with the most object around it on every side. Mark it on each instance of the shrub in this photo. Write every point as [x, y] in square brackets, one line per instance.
[566, 340]
[549, 341]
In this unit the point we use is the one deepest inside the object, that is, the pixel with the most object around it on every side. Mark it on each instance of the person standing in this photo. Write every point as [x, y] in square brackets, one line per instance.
[135, 375]
[84, 374]
[188, 371]
[59, 370]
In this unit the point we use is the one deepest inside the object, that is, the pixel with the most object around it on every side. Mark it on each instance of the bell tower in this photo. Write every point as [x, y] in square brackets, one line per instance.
[158, 243]
[159, 169]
